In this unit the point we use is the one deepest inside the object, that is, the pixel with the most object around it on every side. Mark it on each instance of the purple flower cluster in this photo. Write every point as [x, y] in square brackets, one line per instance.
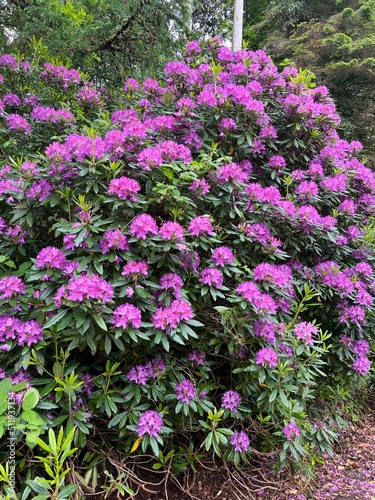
[140, 374]
[240, 441]
[266, 330]
[232, 173]
[305, 331]
[361, 349]
[51, 258]
[262, 302]
[125, 188]
[172, 281]
[150, 422]
[168, 318]
[142, 226]
[11, 286]
[52, 115]
[291, 431]
[278, 275]
[127, 314]
[211, 277]
[88, 384]
[197, 357]
[201, 225]
[222, 256]
[185, 391]
[113, 239]
[11, 99]
[89, 95]
[135, 269]
[8, 61]
[18, 123]
[61, 75]
[267, 357]
[22, 332]
[171, 231]
[85, 288]
[231, 400]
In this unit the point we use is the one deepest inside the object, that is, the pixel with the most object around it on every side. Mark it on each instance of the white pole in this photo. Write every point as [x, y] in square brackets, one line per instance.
[237, 25]
[189, 23]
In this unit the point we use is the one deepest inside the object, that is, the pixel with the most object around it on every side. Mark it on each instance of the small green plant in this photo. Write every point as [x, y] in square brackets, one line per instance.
[116, 483]
[58, 450]
[216, 436]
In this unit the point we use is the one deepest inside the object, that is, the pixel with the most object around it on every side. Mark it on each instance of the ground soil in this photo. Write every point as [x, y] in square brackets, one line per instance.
[348, 475]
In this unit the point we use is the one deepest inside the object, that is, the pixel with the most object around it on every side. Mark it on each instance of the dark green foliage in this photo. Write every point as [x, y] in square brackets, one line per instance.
[106, 40]
[336, 41]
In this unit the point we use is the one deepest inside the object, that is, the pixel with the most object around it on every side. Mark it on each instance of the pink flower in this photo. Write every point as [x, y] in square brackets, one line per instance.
[86, 288]
[232, 173]
[130, 85]
[18, 123]
[171, 281]
[240, 442]
[305, 332]
[150, 422]
[291, 431]
[231, 400]
[222, 256]
[168, 318]
[143, 225]
[135, 268]
[267, 357]
[113, 239]
[149, 158]
[211, 277]
[125, 314]
[362, 365]
[11, 286]
[185, 391]
[171, 231]
[51, 258]
[125, 188]
[200, 187]
[201, 225]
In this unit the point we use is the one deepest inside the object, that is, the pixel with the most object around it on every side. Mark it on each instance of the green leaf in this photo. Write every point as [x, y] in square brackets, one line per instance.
[57, 369]
[55, 319]
[273, 395]
[100, 321]
[39, 488]
[154, 446]
[208, 441]
[30, 399]
[30, 439]
[67, 491]
[3, 403]
[284, 399]
[68, 439]
[5, 386]
[52, 441]
[30, 415]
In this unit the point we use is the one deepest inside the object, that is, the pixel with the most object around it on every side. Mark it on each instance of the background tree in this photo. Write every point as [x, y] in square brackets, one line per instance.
[212, 17]
[335, 40]
[107, 40]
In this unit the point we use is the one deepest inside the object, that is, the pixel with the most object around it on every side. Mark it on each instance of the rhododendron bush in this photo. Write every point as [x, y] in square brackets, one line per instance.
[185, 262]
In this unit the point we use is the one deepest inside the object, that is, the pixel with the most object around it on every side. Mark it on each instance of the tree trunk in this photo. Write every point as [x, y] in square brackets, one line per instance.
[189, 21]
[237, 25]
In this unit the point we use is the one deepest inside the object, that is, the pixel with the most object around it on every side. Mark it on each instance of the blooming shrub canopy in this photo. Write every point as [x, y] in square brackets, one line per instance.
[188, 251]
